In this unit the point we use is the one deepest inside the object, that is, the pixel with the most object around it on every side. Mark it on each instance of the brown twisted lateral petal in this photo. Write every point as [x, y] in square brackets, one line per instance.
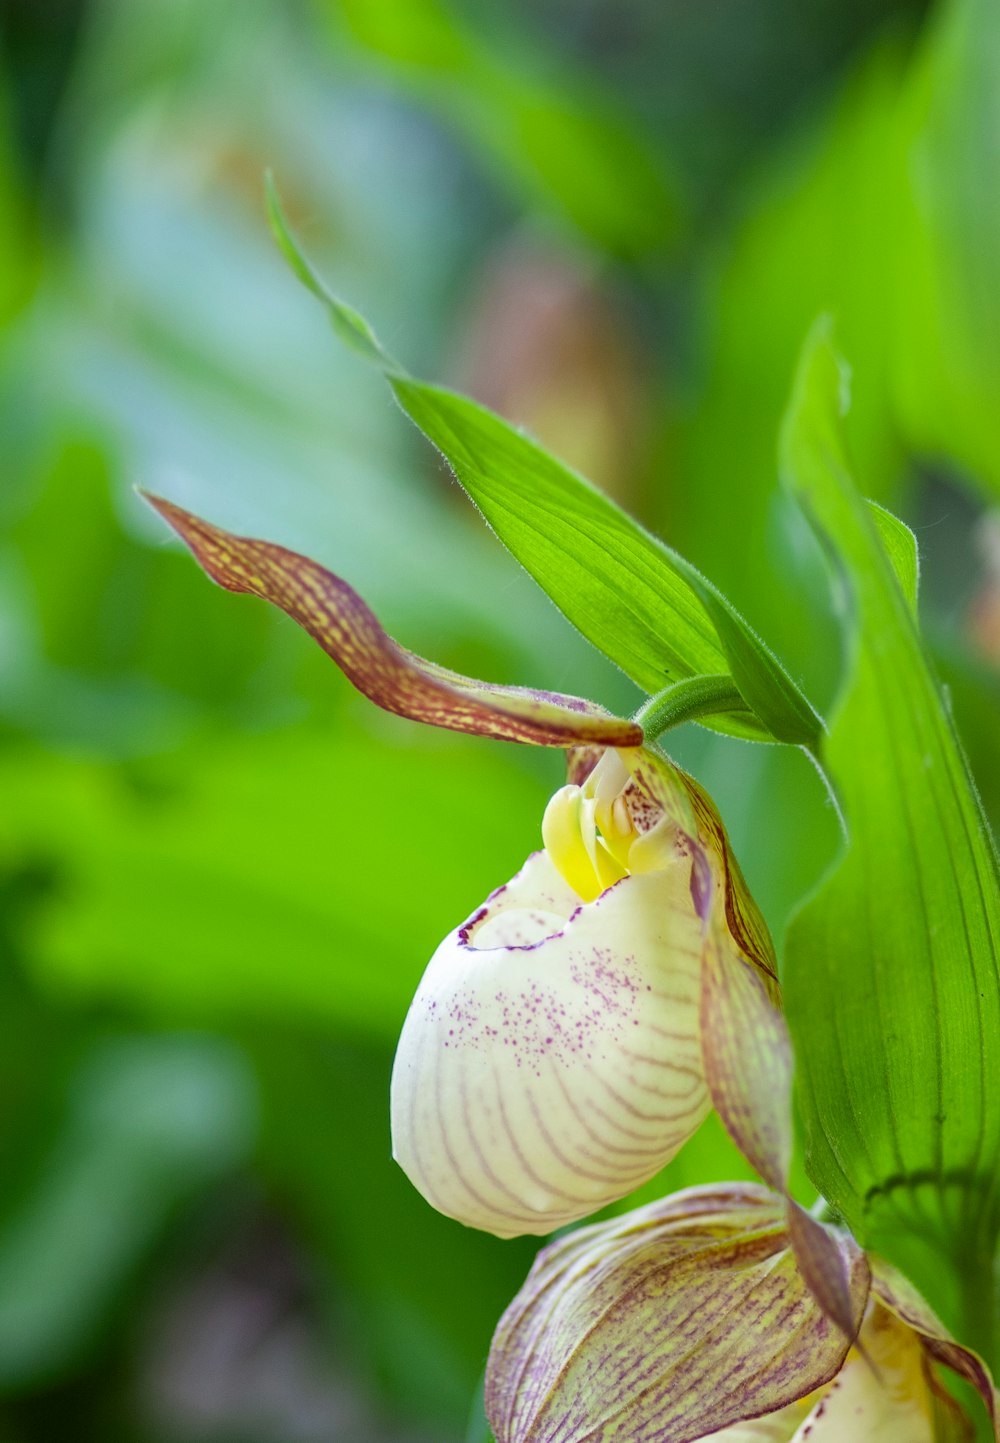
[745, 1045]
[392, 677]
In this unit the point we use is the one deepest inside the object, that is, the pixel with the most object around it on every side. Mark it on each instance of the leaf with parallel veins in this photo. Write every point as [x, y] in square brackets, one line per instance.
[892, 966]
[641, 603]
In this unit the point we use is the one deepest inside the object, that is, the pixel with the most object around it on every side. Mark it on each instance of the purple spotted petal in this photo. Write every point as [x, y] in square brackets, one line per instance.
[550, 1061]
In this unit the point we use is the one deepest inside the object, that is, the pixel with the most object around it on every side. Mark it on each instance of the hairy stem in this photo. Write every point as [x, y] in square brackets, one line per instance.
[696, 696]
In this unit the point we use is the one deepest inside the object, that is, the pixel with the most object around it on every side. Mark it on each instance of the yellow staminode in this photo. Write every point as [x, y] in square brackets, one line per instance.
[592, 838]
[569, 833]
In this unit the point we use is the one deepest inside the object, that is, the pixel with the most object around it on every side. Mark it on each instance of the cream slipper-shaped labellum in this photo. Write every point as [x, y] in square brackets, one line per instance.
[550, 1061]
[607, 832]
[618, 971]
[689, 1320]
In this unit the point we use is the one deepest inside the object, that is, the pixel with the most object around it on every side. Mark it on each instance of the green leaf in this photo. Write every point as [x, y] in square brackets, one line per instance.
[639, 602]
[891, 973]
[900, 546]
[946, 331]
[549, 132]
[351, 328]
[763, 682]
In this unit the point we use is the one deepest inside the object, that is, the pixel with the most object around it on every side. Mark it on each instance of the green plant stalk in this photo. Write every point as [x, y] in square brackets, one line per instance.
[696, 696]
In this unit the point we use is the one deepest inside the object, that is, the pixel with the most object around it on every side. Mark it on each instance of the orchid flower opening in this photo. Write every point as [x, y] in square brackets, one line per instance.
[551, 1059]
[566, 1040]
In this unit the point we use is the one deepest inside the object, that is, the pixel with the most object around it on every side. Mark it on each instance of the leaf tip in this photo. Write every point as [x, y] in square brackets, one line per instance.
[349, 324]
[287, 244]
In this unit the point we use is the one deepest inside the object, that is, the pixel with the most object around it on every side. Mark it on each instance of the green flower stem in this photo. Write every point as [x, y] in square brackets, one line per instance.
[696, 696]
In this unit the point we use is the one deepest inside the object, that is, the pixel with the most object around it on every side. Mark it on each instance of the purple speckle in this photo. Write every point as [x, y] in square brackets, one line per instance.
[464, 933]
[592, 1003]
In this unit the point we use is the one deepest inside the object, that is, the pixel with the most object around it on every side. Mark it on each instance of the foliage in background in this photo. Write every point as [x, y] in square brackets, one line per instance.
[217, 891]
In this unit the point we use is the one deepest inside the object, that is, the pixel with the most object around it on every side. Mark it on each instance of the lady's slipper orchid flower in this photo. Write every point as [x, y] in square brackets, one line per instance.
[551, 1060]
[571, 1035]
[563, 1044]
[690, 1319]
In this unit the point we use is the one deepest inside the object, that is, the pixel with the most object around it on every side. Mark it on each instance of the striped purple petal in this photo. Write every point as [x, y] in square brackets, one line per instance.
[392, 677]
[664, 1326]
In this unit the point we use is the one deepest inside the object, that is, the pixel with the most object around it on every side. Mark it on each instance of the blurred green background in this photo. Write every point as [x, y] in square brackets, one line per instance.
[221, 872]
